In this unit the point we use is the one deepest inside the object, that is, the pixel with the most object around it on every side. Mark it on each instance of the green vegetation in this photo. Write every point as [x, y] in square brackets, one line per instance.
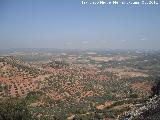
[58, 64]
[33, 96]
[14, 109]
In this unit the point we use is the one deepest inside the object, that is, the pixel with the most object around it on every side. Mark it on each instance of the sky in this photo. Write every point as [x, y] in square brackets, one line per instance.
[68, 24]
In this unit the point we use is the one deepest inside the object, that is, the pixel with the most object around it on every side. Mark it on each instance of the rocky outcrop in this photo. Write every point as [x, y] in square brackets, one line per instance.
[149, 110]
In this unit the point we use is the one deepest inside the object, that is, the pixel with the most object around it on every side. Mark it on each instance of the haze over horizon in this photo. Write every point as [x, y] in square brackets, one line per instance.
[71, 25]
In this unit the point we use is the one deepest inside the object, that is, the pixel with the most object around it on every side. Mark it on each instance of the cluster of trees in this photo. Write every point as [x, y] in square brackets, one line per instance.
[58, 64]
[14, 109]
[156, 87]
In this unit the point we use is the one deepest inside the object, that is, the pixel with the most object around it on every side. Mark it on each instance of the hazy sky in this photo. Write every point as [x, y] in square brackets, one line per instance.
[69, 24]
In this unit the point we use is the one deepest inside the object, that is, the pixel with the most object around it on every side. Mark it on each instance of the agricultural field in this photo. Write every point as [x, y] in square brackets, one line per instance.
[77, 84]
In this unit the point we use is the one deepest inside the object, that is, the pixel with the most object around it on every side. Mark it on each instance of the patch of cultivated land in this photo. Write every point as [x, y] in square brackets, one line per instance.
[110, 58]
[126, 72]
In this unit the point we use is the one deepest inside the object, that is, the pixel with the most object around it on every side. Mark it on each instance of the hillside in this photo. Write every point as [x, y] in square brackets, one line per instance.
[73, 87]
